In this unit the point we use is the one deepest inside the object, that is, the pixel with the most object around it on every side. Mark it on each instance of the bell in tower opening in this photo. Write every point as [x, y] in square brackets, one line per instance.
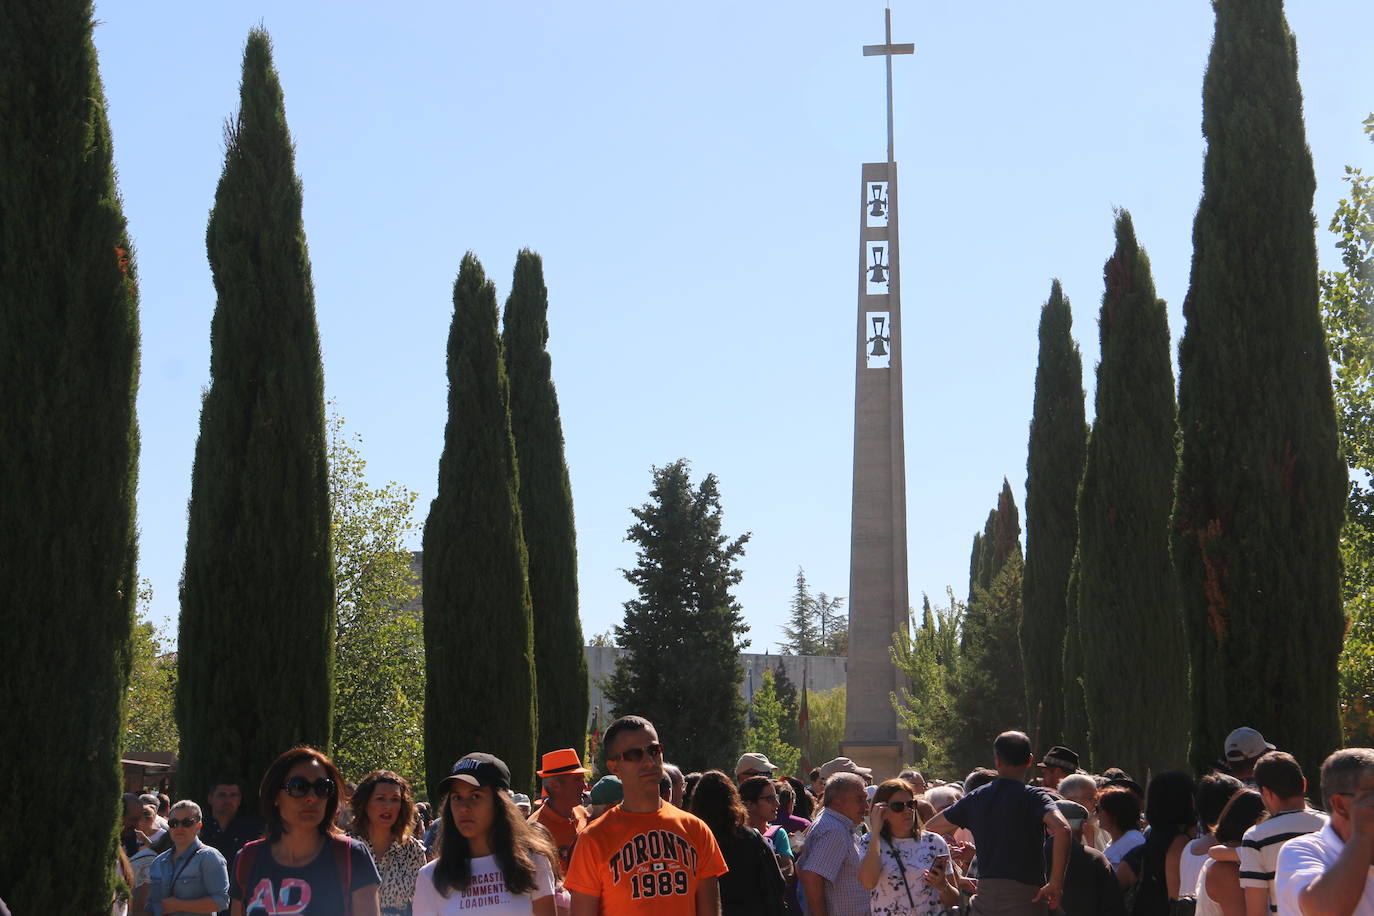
[877, 269]
[879, 345]
[876, 204]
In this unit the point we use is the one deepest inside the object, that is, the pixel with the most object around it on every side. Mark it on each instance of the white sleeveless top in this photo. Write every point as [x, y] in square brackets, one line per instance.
[1190, 866]
[1206, 906]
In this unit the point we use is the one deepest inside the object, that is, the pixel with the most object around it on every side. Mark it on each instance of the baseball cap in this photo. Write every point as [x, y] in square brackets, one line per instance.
[478, 769]
[1061, 757]
[1073, 812]
[750, 762]
[1245, 744]
[842, 765]
[607, 791]
[556, 763]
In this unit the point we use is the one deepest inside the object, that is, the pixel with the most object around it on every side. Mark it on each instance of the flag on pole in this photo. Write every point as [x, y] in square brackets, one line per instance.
[804, 722]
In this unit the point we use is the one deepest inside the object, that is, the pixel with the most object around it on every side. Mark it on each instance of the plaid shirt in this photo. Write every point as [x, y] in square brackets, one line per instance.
[830, 852]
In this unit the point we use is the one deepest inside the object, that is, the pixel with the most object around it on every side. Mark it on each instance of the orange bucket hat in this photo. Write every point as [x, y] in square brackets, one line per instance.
[556, 763]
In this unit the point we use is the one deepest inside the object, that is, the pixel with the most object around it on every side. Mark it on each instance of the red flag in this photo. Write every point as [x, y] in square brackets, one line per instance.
[803, 724]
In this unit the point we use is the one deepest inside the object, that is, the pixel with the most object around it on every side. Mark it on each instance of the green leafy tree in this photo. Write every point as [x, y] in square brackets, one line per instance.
[1261, 485]
[825, 725]
[379, 668]
[684, 610]
[1054, 466]
[1129, 623]
[479, 639]
[802, 630]
[150, 714]
[1347, 306]
[766, 735]
[546, 510]
[256, 639]
[928, 655]
[68, 458]
[791, 710]
[833, 625]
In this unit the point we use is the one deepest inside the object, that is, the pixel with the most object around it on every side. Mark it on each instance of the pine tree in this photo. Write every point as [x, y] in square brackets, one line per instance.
[480, 692]
[1261, 484]
[1054, 466]
[767, 734]
[256, 638]
[787, 696]
[684, 611]
[68, 459]
[1129, 622]
[833, 625]
[546, 510]
[801, 630]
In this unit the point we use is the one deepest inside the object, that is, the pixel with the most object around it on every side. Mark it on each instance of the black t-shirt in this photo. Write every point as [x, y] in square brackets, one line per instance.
[229, 840]
[753, 885]
[1007, 818]
[313, 889]
[1090, 885]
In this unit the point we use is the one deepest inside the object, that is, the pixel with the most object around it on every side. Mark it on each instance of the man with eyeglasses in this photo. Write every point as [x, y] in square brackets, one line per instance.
[1332, 871]
[753, 765]
[644, 855]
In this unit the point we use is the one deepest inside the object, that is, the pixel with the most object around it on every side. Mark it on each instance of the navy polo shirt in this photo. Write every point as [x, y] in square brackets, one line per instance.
[1007, 818]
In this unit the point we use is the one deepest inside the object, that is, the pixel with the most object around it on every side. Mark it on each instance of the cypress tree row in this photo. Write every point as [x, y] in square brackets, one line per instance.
[479, 635]
[1128, 613]
[546, 511]
[1054, 467]
[68, 460]
[1261, 483]
[1074, 730]
[256, 638]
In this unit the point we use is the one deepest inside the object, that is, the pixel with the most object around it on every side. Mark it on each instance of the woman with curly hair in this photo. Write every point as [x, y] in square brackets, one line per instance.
[384, 819]
[754, 885]
[490, 860]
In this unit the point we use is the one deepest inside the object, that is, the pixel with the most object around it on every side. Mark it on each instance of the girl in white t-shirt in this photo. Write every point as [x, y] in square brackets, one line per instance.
[490, 860]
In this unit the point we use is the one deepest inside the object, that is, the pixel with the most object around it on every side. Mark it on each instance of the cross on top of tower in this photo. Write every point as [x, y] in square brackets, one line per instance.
[887, 49]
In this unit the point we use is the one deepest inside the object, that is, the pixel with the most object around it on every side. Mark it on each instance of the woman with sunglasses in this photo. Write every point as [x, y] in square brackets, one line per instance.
[302, 865]
[190, 877]
[384, 819]
[490, 859]
[905, 866]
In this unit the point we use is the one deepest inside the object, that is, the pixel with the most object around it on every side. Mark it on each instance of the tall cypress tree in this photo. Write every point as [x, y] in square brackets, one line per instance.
[1054, 467]
[1261, 482]
[682, 633]
[68, 456]
[546, 511]
[256, 641]
[1074, 731]
[479, 634]
[1129, 620]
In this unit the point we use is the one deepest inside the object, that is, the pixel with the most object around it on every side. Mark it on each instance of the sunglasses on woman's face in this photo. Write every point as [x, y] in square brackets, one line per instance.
[636, 754]
[899, 807]
[299, 787]
[188, 822]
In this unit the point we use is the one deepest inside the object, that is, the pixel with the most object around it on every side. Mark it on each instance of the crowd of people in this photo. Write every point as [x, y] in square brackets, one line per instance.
[1245, 840]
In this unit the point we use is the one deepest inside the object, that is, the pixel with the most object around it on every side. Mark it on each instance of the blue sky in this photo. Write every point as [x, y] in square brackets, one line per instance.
[689, 174]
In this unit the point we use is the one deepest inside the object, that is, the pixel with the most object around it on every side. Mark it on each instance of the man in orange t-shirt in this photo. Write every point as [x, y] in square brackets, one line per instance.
[565, 779]
[643, 856]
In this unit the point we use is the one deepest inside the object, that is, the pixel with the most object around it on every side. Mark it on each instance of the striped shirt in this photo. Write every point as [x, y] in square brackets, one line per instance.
[830, 852]
[1259, 851]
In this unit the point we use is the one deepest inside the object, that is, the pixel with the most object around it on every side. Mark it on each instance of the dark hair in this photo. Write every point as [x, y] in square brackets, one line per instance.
[689, 787]
[888, 788]
[1122, 805]
[978, 778]
[224, 780]
[513, 842]
[1243, 811]
[802, 804]
[164, 804]
[620, 726]
[405, 818]
[272, 784]
[752, 789]
[1213, 792]
[786, 796]
[1169, 802]
[665, 787]
[717, 803]
[1115, 773]
[1012, 748]
[1279, 772]
[815, 774]
[1341, 771]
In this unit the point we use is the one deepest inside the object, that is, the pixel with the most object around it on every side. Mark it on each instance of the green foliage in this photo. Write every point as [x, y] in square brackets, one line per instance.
[480, 690]
[1075, 727]
[1054, 466]
[1261, 485]
[817, 624]
[767, 734]
[824, 725]
[256, 639]
[546, 510]
[379, 679]
[683, 574]
[1347, 308]
[928, 656]
[1129, 623]
[68, 457]
[989, 690]
[150, 712]
[787, 696]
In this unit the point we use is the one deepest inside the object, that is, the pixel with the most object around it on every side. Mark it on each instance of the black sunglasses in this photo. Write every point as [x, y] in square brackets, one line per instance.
[749, 773]
[188, 822]
[636, 754]
[898, 807]
[299, 787]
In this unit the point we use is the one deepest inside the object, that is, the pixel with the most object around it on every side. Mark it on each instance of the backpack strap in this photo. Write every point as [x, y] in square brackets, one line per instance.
[243, 866]
[343, 866]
